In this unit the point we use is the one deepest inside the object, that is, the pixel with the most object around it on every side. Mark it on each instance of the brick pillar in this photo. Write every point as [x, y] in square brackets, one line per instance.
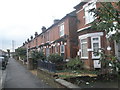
[30, 64]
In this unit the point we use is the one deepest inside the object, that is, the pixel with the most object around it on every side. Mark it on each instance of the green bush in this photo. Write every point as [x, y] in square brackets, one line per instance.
[75, 64]
[55, 58]
[21, 52]
[37, 55]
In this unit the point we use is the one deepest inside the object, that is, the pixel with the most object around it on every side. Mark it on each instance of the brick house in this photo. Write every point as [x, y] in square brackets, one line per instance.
[73, 36]
[61, 38]
[90, 40]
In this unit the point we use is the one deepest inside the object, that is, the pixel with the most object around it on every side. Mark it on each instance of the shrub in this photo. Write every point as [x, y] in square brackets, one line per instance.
[38, 55]
[21, 52]
[35, 55]
[42, 56]
[75, 64]
[55, 58]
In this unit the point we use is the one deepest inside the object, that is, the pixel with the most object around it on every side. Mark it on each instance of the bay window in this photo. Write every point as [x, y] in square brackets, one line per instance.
[84, 52]
[95, 46]
[47, 52]
[62, 50]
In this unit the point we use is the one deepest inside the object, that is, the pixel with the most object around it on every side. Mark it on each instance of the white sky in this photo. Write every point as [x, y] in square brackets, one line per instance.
[19, 19]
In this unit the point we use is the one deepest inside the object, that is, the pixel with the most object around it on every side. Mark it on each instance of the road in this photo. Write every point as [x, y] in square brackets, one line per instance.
[19, 77]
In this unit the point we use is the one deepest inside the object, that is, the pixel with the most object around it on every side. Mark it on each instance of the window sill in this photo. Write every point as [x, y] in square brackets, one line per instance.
[61, 35]
[95, 57]
[84, 58]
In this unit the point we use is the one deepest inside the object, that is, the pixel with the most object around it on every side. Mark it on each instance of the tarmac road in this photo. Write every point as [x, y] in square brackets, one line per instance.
[19, 77]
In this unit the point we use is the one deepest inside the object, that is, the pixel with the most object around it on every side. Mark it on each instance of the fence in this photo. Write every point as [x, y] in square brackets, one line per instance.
[47, 65]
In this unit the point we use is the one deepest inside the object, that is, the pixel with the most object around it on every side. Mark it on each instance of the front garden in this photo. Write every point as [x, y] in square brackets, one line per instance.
[73, 71]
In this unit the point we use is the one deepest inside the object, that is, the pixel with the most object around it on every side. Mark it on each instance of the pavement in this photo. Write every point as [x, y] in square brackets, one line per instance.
[19, 77]
[2, 78]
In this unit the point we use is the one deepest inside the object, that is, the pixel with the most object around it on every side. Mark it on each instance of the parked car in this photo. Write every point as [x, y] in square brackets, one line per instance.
[3, 63]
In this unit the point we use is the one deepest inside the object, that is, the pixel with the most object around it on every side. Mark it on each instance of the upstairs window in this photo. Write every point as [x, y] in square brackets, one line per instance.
[89, 16]
[47, 36]
[61, 28]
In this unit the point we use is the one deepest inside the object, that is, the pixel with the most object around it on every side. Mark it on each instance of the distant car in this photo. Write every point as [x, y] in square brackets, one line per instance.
[3, 63]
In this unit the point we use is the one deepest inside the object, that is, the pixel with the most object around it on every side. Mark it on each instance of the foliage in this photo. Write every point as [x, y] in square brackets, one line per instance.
[55, 58]
[108, 19]
[42, 55]
[21, 52]
[75, 64]
[108, 62]
[38, 55]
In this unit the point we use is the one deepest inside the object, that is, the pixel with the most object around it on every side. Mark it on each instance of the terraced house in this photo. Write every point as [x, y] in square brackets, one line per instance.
[61, 38]
[73, 36]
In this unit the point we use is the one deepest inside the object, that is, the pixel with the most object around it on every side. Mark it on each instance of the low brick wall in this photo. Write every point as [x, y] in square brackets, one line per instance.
[48, 77]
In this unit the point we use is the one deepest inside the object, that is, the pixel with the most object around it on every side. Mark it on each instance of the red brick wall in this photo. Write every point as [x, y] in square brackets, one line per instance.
[53, 34]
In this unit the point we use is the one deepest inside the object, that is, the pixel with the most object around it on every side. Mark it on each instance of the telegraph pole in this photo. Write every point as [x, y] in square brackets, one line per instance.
[13, 45]
[27, 58]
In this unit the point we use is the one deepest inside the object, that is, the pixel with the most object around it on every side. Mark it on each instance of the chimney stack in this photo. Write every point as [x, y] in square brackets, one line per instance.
[43, 28]
[23, 44]
[56, 21]
[31, 37]
[28, 40]
[36, 34]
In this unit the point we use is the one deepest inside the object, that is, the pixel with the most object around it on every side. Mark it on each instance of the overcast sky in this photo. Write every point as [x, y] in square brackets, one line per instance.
[19, 19]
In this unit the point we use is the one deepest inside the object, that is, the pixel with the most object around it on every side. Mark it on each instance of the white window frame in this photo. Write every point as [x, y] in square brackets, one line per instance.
[56, 49]
[81, 48]
[47, 52]
[61, 29]
[61, 49]
[99, 42]
[88, 17]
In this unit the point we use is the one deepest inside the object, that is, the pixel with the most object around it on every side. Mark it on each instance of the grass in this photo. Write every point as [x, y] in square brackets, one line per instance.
[78, 71]
[75, 73]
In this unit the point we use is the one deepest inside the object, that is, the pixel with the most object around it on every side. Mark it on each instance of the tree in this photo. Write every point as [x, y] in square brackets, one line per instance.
[108, 19]
[8, 51]
[21, 52]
